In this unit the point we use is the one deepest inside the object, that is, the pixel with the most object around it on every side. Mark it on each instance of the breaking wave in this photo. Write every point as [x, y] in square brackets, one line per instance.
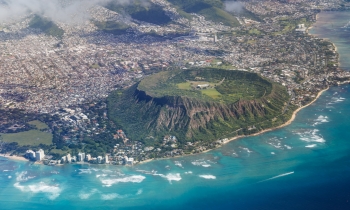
[201, 163]
[86, 195]
[207, 176]
[22, 176]
[311, 145]
[52, 191]
[321, 119]
[112, 196]
[311, 136]
[133, 179]
[178, 163]
[170, 177]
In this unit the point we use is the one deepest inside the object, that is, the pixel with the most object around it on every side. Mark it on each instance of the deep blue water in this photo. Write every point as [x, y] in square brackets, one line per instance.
[305, 165]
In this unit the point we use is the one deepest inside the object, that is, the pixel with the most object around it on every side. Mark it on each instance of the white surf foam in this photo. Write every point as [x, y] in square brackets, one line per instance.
[111, 196]
[133, 179]
[85, 171]
[247, 150]
[201, 163]
[311, 145]
[170, 177]
[277, 143]
[99, 175]
[207, 176]
[278, 176]
[139, 192]
[22, 176]
[178, 163]
[311, 136]
[321, 119]
[86, 195]
[52, 191]
[147, 172]
[288, 147]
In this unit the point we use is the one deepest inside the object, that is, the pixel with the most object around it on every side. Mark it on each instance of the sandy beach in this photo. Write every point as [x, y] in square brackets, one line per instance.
[14, 157]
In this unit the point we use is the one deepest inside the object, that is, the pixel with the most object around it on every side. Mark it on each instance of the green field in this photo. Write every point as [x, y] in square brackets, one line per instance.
[39, 125]
[32, 137]
[184, 86]
[213, 93]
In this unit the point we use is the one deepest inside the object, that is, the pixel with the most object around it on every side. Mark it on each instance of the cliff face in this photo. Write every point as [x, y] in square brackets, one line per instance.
[141, 115]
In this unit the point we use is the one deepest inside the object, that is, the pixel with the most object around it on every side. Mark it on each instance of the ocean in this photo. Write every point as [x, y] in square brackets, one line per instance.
[305, 165]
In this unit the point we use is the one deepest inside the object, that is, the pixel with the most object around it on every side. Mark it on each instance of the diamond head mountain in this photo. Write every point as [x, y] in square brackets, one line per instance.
[199, 105]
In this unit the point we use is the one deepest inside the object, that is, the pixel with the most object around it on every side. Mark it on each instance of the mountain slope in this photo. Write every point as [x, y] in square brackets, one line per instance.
[192, 116]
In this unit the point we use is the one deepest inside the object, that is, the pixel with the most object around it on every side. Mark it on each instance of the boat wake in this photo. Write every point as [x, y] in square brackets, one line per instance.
[278, 176]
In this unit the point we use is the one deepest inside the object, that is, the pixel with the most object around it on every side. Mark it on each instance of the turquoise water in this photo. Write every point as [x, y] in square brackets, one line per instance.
[305, 165]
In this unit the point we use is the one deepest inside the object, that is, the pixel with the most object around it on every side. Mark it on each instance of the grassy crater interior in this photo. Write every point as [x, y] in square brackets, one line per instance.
[210, 85]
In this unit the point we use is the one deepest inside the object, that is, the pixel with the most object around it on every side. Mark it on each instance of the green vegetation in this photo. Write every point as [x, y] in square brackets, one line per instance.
[211, 9]
[142, 11]
[290, 25]
[208, 84]
[39, 125]
[95, 66]
[212, 93]
[227, 104]
[115, 28]
[47, 26]
[184, 86]
[32, 138]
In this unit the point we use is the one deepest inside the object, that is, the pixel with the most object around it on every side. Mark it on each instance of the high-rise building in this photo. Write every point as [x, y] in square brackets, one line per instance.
[88, 157]
[64, 159]
[30, 154]
[99, 159]
[81, 157]
[106, 159]
[39, 155]
[69, 158]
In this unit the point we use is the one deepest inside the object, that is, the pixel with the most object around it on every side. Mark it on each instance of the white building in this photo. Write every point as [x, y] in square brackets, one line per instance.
[106, 159]
[130, 161]
[64, 159]
[81, 157]
[39, 155]
[30, 154]
[88, 157]
[99, 159]
[69, 158]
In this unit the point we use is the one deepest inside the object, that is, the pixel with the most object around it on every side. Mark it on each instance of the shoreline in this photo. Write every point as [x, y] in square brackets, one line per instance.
[243, 136]
[20, 158]
[14, 157]
[284, 124]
